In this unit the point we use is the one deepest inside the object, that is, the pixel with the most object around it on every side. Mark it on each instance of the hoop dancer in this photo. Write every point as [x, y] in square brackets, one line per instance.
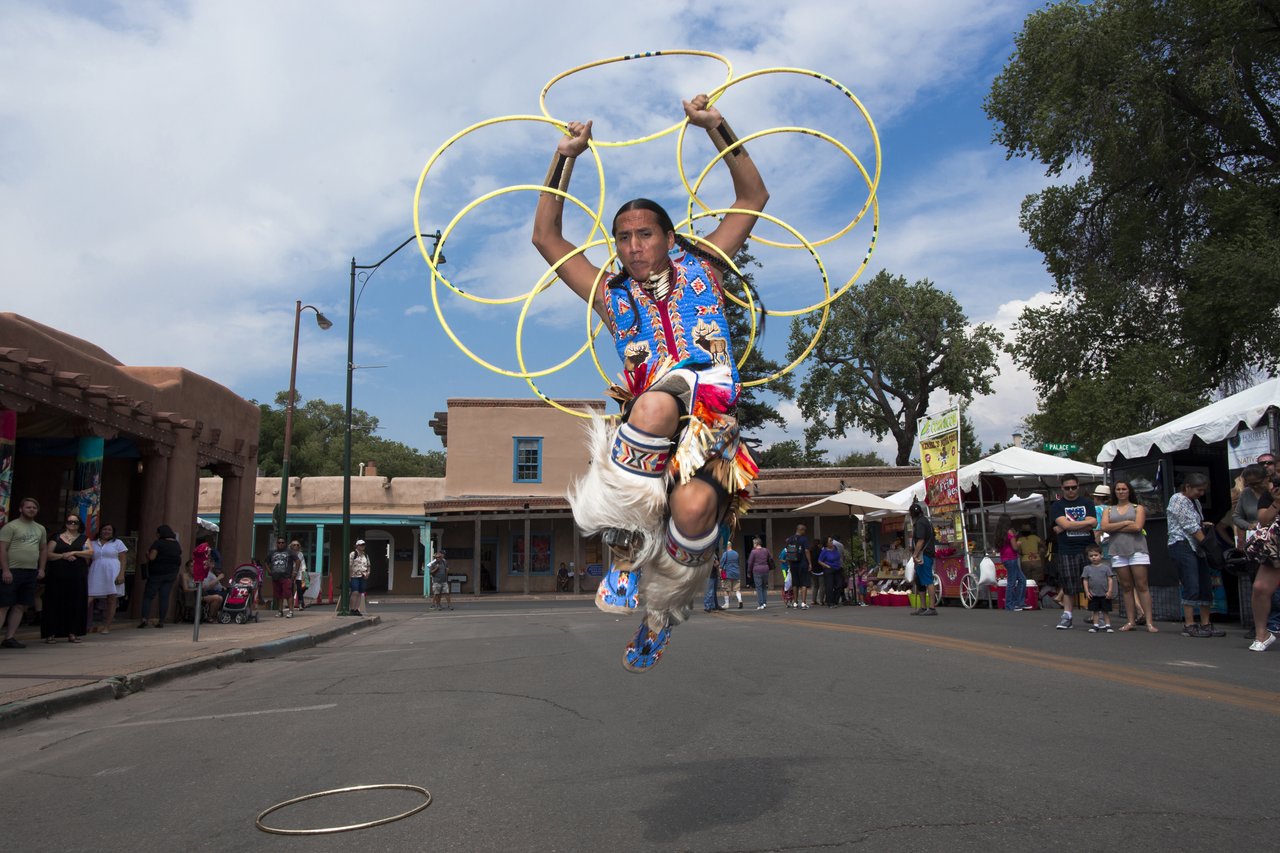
[661, 482]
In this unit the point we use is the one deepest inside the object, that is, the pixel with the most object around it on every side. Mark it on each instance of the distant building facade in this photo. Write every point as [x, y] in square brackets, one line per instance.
[500, 512]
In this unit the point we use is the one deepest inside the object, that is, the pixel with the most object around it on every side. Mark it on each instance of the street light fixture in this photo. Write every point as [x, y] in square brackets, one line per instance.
[344, 593]
[282, 523]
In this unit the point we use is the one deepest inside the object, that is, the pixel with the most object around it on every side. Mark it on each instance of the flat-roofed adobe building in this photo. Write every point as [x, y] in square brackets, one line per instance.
[84, 432]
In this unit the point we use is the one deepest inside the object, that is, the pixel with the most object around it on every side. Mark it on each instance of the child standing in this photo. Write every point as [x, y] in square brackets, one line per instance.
[1100, 585]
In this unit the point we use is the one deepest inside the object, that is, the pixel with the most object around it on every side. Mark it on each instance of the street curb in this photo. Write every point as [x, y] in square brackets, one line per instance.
[120, 686]
[297, 642]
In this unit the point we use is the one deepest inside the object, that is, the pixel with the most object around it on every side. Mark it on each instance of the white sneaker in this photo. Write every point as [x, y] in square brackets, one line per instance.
[804, 607]
[1262, 645]
[288, 614]
[760, 607]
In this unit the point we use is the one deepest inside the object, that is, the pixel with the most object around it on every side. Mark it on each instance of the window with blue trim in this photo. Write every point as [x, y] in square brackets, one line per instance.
[526, 465]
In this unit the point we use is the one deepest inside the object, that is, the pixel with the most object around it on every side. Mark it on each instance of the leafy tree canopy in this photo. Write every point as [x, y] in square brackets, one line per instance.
[1165, 251]
[791, 454]
[886, 348]
[860, 459]
[318, 430]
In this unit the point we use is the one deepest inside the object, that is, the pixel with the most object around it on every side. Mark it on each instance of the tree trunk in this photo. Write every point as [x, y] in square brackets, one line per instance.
[906, 444]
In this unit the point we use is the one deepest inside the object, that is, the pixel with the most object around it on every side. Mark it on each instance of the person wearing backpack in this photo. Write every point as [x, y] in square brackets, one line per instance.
[282, 564]
[796, 556]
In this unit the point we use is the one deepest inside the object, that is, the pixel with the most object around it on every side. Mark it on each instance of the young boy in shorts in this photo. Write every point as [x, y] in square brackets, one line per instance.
[1100, 584]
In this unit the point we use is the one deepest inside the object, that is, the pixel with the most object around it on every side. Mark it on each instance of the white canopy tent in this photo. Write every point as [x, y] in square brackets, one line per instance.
[1020, 468]
[1215, 422]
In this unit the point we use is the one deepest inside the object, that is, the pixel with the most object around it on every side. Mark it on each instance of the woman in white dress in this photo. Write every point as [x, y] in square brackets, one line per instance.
[106, 572]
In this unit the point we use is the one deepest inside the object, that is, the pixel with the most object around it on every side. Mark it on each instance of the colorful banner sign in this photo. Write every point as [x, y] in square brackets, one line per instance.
[8, 435]
[88, 484]
[940, 459]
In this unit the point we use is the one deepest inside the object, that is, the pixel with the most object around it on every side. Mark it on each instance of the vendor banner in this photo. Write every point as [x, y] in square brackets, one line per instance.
[88, 484]
[1246, 446]
[8, 435]
[940, 459]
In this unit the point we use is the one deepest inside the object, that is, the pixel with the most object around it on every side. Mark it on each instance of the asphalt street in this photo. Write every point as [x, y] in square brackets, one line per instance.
[854, 728]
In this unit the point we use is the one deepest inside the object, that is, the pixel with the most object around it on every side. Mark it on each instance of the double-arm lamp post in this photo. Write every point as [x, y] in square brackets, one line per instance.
[344, 592]
[282, 523]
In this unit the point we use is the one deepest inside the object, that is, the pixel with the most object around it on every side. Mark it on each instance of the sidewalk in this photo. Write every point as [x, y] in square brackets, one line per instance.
[43, 679]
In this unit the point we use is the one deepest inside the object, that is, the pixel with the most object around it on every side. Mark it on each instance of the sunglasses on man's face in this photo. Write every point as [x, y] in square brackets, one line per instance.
[75, 521]
[1069, 488]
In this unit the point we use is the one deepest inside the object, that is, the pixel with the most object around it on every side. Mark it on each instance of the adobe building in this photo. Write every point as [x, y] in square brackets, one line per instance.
[508, 467]
[144, 434]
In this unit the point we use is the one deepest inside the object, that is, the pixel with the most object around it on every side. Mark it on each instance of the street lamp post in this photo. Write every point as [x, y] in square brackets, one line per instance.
[324, 323]
[344, 593]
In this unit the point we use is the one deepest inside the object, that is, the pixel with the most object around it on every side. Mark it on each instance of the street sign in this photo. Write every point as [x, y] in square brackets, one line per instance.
[1059, 449]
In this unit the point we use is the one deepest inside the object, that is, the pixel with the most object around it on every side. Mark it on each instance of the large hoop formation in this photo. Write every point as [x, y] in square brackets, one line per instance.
[599, 236]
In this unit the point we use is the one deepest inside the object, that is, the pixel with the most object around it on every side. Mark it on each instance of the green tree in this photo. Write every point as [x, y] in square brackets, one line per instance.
[970, 447]
[861, 459]
[791, 454]
[1165, 250]
[886, 348]
[318, 433]
[753, 411]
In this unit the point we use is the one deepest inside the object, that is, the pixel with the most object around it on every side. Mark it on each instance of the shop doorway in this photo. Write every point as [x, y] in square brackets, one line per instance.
[378, 548]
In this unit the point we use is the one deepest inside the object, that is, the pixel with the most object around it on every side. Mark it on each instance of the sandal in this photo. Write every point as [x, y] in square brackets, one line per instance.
[73, 640]
[1128, 626]
[1152, 629]
[51, 640]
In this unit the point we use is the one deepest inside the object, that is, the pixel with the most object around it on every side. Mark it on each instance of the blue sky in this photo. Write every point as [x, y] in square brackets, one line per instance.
[174, 175]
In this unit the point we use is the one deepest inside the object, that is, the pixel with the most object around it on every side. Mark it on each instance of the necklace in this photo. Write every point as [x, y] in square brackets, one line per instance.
[658, 285]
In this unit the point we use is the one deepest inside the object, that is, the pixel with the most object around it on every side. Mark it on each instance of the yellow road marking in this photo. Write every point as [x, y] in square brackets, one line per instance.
[1266, 701]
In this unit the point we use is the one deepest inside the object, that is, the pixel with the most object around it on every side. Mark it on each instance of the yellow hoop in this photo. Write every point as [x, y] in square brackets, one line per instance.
[422, 178]
[874, 182]
[542, 98]
[873, 201]
[538, 287]
[826, 284]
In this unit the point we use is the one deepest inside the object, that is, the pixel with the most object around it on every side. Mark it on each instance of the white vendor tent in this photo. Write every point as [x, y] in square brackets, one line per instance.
[1215, 422]
[1020, 468]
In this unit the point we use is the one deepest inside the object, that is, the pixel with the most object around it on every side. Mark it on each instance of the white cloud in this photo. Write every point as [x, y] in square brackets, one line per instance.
[173, 176]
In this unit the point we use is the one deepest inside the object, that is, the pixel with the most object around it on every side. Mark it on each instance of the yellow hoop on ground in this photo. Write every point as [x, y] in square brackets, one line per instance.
[422, 179]
[542, 98]
[874, 182]
[328, 830]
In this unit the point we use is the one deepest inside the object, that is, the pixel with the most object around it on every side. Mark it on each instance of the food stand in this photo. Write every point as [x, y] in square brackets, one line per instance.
[987, 482]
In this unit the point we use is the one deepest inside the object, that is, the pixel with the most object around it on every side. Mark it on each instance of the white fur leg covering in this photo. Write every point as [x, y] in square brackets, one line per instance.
[677, 577]
[612, 495]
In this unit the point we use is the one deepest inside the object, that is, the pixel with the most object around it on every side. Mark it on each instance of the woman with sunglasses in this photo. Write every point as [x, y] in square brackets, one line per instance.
[66, 584]
[1126, 523]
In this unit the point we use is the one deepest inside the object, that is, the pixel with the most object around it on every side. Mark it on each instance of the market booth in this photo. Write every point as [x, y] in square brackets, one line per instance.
[1016, 481]
[1218, 440]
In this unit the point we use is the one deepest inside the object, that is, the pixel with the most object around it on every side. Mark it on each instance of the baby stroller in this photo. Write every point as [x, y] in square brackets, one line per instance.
[239, 601]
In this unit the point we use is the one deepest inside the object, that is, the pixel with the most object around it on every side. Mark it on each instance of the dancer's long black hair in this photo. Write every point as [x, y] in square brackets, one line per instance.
[668, 227]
